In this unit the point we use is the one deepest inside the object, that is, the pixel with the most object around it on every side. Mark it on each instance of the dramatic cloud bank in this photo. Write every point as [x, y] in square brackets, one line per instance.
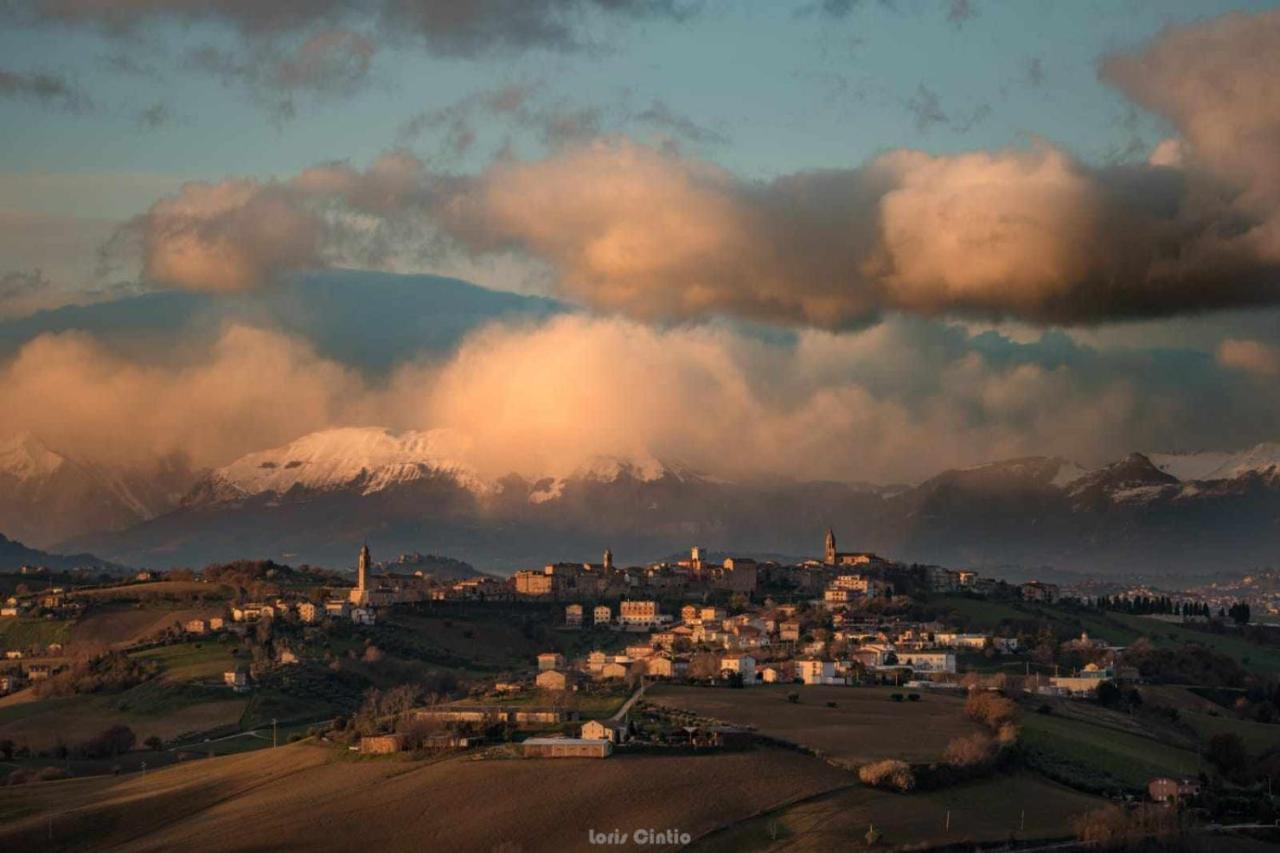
[1031, 233]
[895, 402]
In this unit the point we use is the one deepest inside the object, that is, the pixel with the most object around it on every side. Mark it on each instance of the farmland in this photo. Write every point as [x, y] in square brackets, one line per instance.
[145, 709]
[1094, 756]
[1116, 628]
[865, 724]
[458, 804]
[1023, 806]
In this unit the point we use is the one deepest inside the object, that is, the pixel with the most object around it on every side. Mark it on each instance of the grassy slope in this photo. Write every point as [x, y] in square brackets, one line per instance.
[1101, 756]
[986, 810]
[864, 725]
[303, 794]
[207, 659]
[148, 709]
[21, 633]
[1115, 628]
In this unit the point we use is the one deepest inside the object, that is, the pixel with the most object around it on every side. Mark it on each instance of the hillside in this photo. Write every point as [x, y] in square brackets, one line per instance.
[14, 555]
[322, 801]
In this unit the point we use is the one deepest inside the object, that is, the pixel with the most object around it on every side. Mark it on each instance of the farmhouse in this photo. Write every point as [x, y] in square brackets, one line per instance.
[565, 747]
[236, 679]
[1166, 790]
[555, 679]
[381, 744]
[664, 666]
[550, 660]
[610, 730]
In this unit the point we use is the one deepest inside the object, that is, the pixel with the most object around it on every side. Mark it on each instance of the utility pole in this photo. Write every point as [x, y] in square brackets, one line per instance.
[948, 820]
[274, 741]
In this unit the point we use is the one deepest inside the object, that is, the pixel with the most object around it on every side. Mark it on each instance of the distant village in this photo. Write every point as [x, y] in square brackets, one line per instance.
[738, 621]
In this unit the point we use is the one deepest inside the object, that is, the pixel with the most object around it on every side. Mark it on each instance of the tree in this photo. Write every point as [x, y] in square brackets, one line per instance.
[153, 743]
[1239, 613]
[1226, 752]
[7, 747]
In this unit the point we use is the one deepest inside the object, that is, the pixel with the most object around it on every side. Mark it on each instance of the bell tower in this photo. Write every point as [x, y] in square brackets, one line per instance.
[362, 568]
[831, 548]
[608, 560]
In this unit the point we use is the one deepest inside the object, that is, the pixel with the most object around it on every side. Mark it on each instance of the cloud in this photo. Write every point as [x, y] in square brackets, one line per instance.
[44, 87]
[1250, 356]
[894, 402]
[960, 12]
[1028, 233]
[621, 226]
[253, 389]
[556, 123]
[1214, 81]
[444, 27]
[325, 63]
[155, 116]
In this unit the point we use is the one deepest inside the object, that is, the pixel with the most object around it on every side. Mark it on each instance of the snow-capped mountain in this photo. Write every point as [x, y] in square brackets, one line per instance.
[46, 495]
[362, 460]
[308, 500]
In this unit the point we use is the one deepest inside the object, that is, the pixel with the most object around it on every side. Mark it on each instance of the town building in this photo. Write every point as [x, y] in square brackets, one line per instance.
[573, 616]
[744, 665]
[638, 614]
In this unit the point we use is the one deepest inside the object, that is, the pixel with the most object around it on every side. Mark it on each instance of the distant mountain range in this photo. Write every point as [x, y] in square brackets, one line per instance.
[312, 499]
[14, 555]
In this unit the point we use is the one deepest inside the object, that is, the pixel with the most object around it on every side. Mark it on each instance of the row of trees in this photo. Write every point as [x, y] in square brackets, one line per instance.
[1145, 605]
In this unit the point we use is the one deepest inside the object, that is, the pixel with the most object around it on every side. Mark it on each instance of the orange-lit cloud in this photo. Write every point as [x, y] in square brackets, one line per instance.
[893, 402]
[1250, 356]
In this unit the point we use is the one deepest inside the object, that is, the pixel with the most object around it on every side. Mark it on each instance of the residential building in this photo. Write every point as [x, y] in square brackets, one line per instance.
[928, 661]
[573, 616]
[550, 660]
[611, 730]
[1038, 591]
[308, 612]
[817, 672]
[638, 614]
[744, 665]
[602, 615]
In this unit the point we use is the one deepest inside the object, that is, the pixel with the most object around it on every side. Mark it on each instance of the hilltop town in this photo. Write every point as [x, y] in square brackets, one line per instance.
[904, 676]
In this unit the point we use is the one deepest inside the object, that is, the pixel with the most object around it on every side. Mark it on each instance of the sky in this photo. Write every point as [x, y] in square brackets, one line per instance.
[881, 236]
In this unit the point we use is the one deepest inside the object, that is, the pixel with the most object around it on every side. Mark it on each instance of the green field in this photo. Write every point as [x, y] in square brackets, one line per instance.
[864, 725]
[1024, 806]
[195, 661]
[1116, 628]
[1098, 757]
[151, 708]
[21, 633]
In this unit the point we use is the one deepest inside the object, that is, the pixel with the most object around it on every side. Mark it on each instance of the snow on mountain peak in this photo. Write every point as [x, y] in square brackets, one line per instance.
[371, 457]
[25, 457]
[1220, 464]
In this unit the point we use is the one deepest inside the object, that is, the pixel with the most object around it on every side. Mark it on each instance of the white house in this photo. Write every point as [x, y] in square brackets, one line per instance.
[931, 661]
[818, 672]
[742, 664]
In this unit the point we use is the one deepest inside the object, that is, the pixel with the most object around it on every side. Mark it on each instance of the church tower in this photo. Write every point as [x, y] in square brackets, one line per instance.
[831, 548]
[608, 560]
[362, 568]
